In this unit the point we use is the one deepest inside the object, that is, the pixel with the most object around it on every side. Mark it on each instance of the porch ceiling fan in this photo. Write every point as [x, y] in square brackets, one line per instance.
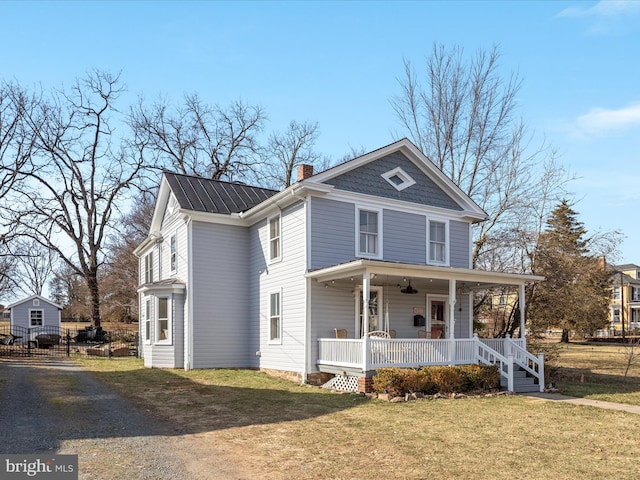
[409, 289]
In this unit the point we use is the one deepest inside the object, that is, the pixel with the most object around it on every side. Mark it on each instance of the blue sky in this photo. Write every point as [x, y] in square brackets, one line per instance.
[338, 63]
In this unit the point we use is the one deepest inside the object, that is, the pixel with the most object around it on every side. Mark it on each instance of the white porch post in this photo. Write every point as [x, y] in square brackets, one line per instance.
[452, 321]
[366, 291]
[521, 301]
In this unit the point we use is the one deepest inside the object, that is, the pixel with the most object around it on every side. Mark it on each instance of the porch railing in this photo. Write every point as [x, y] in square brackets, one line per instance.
[405, 352]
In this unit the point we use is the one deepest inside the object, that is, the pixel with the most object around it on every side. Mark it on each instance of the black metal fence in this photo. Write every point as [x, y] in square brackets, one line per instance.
[63, 342]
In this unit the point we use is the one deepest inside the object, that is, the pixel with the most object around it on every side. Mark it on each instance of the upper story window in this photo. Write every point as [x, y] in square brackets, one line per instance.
[35, 318]
[148, 268]
[615, 294]
[173, 259]
[275, 239]
[369, 238]
[275, 317]
[437, 242]
[635, 294]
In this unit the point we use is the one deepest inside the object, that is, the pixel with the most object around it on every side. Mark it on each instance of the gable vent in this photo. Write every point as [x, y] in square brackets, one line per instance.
[398, 179]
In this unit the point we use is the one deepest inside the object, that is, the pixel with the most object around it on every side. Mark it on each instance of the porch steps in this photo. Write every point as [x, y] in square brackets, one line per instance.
[521, 382]
[343, 383]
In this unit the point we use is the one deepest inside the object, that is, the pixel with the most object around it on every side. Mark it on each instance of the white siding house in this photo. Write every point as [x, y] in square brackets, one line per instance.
[240, 276]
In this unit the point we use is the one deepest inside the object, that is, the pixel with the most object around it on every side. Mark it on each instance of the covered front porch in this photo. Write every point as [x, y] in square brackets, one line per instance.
[417, 315]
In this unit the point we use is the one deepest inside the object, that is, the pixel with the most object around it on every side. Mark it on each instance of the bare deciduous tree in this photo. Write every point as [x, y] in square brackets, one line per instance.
[289, 149]
[78, 172]
[36, 266]
[462, 116]
[120, 280]
[199, 139]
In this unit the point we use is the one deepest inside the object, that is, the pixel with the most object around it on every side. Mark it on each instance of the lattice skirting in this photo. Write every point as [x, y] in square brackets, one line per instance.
[342, 383]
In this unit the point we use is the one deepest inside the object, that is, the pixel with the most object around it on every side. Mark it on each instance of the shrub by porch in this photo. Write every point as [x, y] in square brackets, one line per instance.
[431, 380]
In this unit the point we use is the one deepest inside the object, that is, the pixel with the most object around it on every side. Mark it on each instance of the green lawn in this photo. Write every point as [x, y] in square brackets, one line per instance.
[278, 429]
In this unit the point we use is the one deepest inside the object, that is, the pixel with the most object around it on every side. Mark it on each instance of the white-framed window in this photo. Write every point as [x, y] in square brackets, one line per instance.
[369, 234]
[36, 318]
[275, 238]
[437, 242]
[398, 179]
[147, 320]
[163, 320]
[36, 302]
[635, 315]
[173, 255]
[275, 317]
[615, 315]
[148, 268]
[615, 294]
[635, 294]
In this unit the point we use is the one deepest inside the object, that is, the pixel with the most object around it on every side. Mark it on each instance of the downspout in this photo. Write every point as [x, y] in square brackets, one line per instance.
[306, 366]
[188, 321]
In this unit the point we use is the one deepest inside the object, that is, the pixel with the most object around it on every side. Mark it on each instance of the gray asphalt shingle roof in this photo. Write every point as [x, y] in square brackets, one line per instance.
[215, 196]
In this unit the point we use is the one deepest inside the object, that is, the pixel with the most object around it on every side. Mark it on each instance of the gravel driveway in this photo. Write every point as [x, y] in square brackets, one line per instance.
[51, 405]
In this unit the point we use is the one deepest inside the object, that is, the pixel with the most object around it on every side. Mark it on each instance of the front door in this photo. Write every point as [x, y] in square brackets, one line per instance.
[436, 307]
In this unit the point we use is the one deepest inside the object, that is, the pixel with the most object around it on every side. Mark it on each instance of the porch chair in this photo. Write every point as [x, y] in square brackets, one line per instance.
[379, 334]
[424, 334]
[341, 332]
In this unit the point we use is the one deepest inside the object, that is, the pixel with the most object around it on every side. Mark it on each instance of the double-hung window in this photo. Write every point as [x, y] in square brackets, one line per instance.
[163, 321]
[148, 268]
[173, 259]
[147, 320]
[615, 315]
[635, 294]
[615, 295]
[369, 233]
[275, 317]
[275, 239]
[437, 242]
[35, 318]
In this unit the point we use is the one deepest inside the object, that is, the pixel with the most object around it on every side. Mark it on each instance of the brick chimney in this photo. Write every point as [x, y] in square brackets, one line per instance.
[304, 171]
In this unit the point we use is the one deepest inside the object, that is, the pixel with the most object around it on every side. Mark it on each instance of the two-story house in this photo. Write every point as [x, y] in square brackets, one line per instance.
[362, 266]
[625, 298]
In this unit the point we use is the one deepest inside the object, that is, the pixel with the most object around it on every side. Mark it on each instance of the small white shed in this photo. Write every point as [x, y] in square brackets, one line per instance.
[35, 311]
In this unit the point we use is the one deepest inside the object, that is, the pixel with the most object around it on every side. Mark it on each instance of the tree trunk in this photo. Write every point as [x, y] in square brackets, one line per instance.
[565, 336]
[92, 283]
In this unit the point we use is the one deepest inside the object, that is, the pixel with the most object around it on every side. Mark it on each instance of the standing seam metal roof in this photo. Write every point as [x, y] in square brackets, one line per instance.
[215, 196]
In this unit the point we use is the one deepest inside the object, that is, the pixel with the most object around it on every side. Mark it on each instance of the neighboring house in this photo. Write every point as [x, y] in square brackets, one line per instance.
[240, 276]
[625, 298]
[34, 312]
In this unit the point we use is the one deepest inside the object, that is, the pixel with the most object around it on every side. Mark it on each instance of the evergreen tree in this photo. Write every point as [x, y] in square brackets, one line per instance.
[574, 295]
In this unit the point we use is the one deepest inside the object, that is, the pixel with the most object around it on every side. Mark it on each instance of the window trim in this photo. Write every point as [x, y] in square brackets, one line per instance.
[31, 312]
[274, 340]
[169, 339]
[379, 240]
[430, 260]
[277, 238]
